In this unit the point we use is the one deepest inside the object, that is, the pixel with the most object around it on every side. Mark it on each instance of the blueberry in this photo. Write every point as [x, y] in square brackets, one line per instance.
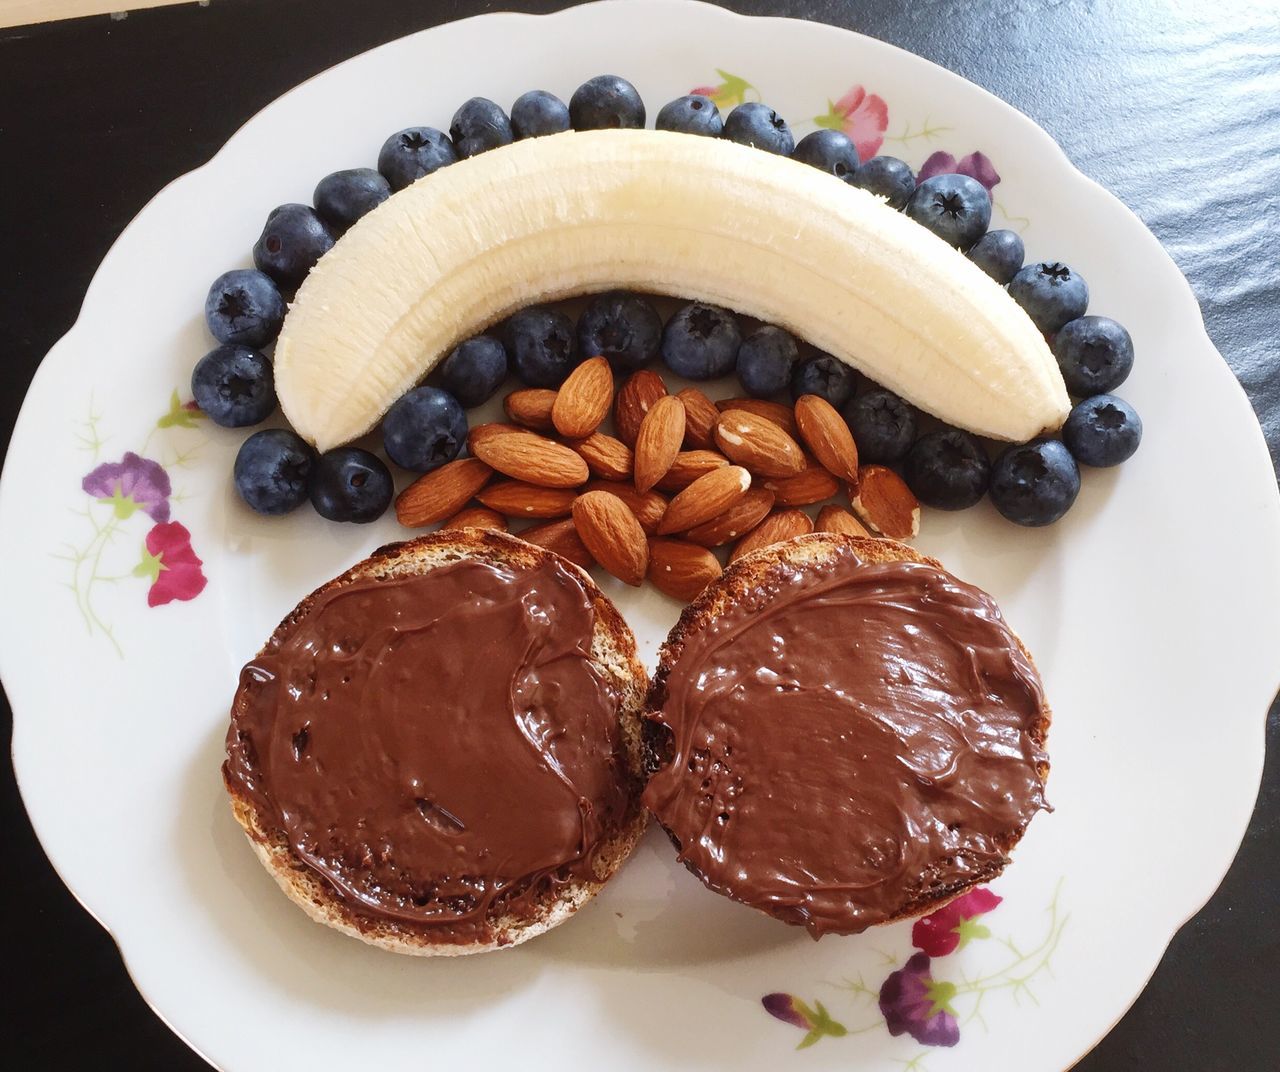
[345, 196]
[475, 370]
[692, 114]
[954, 207]
[887, 177]
[538, 113]
[625, 328]
[293, 239]
[478, 126]
[700, 342]
[234, 386]
[825, 376]
[999, 254]
[1035, 483]
[947, 469]
[424, 429]
[760, 126]
[244, 306]
[765, 361]
[273, 471]
[830, 151]
[1095, 355]
[1102, 431]
[1050, 293]
[883, 426]
[413, 152]
[606, 102]
[542, 345]
[350, 484]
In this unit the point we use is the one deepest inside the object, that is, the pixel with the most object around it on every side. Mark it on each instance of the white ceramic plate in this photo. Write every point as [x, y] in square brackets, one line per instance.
[1153, 611]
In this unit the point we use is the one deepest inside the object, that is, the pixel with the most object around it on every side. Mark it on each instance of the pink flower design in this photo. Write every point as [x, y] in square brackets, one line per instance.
[976, 165]
[912, 1002]
[133, 483]
[952, 926]
[863, 116]
[171, 564]
[731, 91]
[815, 1021]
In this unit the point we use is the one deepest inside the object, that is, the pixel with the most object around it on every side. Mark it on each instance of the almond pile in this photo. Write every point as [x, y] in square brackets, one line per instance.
[680, 477]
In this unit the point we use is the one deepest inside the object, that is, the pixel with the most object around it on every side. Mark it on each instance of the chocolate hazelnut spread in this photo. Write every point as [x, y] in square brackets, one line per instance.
[438, 747]
[848, 740]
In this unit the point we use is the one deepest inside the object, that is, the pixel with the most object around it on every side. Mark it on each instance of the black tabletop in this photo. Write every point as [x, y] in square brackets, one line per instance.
[1175, 107]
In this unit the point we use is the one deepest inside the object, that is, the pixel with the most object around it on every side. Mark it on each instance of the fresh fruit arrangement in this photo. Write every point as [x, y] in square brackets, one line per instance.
[960, 327]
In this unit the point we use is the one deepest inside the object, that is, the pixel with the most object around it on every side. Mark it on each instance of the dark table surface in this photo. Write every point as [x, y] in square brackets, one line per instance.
[1174, 107]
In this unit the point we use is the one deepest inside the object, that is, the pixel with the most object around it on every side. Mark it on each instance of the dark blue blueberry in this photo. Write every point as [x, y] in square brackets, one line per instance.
[700, 342]
[542, 345]
[825, 376]
[765, 361]
[273, 471]
[475, 370]
[947, 469]
[424, 429]
[478, 126]
[606, 102]
[350, 484]
[538, 113]
[1102, 431]
[1095, 355]
[413, 152]
[887, 177]
[623, 327]
[293, 239]
[234, 386]
[1050, 293]
[883, 426]
[1035, 483]
[760, 126]
[345, 196]
[244, 306]
[999, 254]
[954, 207]
[692, 114]
[830, 151]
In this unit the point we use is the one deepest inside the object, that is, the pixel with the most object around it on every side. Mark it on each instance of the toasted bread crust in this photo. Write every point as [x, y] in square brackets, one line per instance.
[613, 654]
[743, 577]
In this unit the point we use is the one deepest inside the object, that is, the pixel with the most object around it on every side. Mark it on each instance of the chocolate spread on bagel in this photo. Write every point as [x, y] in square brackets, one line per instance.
[438, 747]
[848, 741]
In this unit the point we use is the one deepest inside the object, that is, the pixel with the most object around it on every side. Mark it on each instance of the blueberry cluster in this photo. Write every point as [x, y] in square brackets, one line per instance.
[275, 471]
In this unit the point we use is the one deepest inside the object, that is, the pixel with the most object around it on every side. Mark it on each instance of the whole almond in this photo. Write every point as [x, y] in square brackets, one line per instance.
[775, 528]
[612, 534]
[635, 397]
[688, 466]
[705, 498]
[811, 485]
[528, 456]
[739, 519]
[531, 407]
[517, 498]
[648, 506]
[771, 411]
[758, 444]
[825, 433]
[606, 457]
[700, 416]
[583, 399]
[835, 519]
[681, 569]
[658, 441]
[441, 492]
[562, 538]
[476, 517]
[885, 504]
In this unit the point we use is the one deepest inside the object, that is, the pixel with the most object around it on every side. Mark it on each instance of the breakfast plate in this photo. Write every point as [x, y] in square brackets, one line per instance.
[137, 584]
